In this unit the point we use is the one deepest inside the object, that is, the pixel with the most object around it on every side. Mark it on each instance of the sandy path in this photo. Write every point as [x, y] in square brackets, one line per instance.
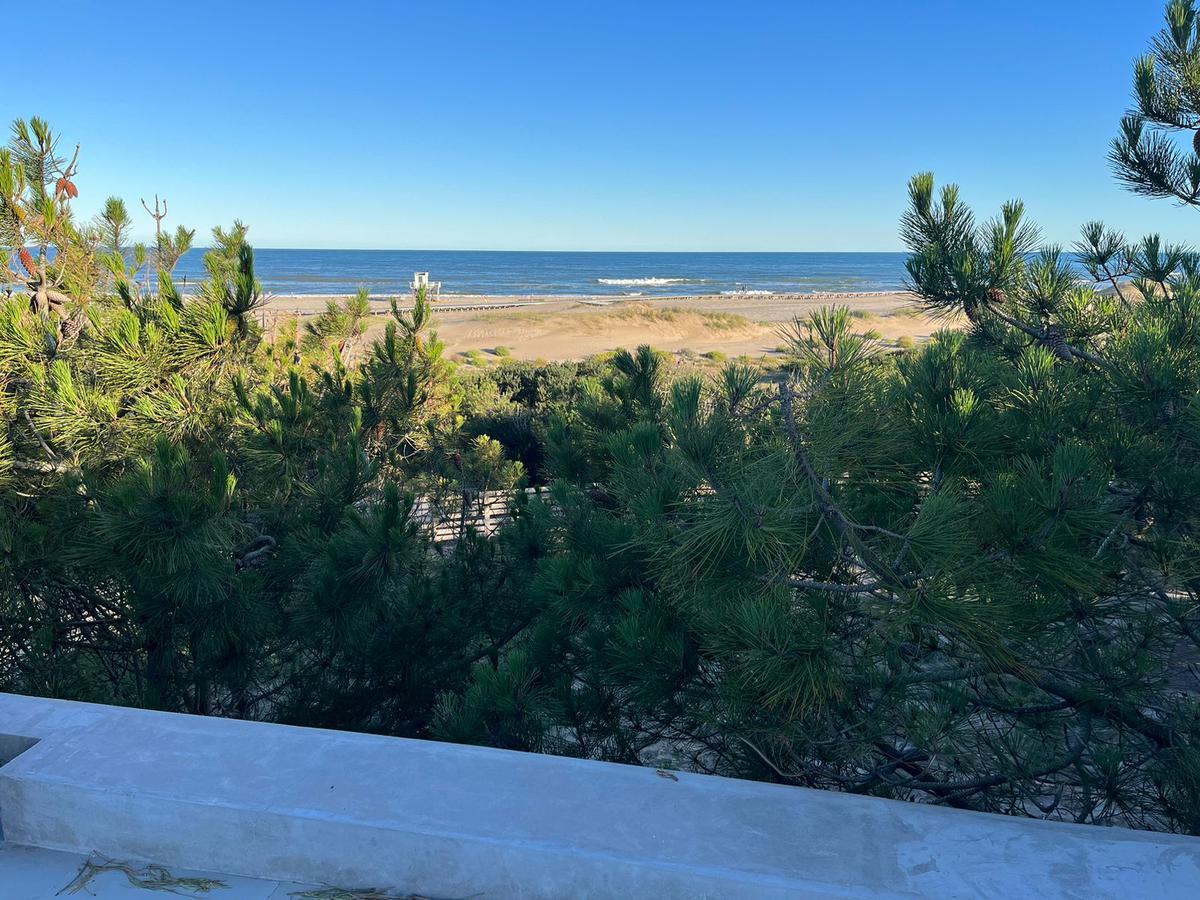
[574, 327]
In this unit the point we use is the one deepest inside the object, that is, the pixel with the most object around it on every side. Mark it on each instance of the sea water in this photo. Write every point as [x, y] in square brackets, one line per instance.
[493, 272]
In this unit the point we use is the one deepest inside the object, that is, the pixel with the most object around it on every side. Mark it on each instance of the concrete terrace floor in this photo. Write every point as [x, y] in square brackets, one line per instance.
[31, 873]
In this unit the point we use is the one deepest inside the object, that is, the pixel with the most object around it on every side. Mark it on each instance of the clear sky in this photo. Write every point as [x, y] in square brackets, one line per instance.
[594, 125]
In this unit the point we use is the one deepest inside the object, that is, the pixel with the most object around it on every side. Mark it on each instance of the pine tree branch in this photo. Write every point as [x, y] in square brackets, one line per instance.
[955, 791]
[1112, 278]
[828, 586]
[44, 468]
[1161, 735]
[1041, 336]
[33, 428]
[866, 557]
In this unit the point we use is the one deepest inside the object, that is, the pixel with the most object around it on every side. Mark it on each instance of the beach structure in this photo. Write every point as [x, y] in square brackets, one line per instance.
[421, 280]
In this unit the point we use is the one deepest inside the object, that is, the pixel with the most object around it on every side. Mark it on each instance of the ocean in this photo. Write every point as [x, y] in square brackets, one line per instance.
[389, 272]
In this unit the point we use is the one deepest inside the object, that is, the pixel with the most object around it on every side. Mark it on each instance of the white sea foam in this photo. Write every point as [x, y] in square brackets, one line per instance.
[746, 293]
[645, 282]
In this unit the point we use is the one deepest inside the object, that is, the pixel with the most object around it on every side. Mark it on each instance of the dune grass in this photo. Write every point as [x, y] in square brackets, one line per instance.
[718, 321]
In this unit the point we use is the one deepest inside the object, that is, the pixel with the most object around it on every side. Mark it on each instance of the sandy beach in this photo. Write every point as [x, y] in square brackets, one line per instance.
[557, 328]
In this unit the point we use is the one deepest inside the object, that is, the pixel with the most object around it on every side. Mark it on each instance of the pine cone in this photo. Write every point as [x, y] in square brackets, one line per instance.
[996, 295]
[26, 259]
[70, 327]
[1055, 341]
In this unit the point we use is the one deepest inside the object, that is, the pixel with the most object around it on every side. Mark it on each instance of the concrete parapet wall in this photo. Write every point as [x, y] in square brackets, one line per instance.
[443, 820]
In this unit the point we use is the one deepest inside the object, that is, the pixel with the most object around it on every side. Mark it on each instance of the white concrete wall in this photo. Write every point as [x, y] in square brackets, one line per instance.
[444, 820]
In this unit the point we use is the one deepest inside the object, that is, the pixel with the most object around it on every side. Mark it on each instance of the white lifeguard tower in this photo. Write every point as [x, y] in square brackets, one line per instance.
[421, 280]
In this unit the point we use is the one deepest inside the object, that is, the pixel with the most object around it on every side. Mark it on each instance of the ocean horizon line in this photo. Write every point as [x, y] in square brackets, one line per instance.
[299, 271]
[258, 247]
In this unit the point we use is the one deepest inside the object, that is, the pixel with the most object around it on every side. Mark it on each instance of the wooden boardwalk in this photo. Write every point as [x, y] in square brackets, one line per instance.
[445, 521]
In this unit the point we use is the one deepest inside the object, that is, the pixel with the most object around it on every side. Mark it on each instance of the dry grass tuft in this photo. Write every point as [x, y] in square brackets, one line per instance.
[720, 321]
[149, 877]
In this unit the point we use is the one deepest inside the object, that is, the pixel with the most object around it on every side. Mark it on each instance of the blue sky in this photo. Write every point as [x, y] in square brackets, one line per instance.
[607, 125]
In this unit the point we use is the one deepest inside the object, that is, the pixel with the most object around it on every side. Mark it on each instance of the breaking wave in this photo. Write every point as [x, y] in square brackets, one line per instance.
[648, 282]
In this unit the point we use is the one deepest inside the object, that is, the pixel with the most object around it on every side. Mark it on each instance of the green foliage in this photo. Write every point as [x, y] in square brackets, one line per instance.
[1146, 155]
[194, 516]
[964, 574]
[341, 326]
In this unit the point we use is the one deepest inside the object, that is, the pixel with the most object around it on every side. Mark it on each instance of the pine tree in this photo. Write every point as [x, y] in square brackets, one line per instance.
[964, 575]
[1147, 156]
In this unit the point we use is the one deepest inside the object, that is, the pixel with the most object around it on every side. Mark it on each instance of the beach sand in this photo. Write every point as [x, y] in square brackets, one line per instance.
[559, 328]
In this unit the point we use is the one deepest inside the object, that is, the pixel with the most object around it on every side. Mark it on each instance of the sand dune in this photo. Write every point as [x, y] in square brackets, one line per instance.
[575, 327]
